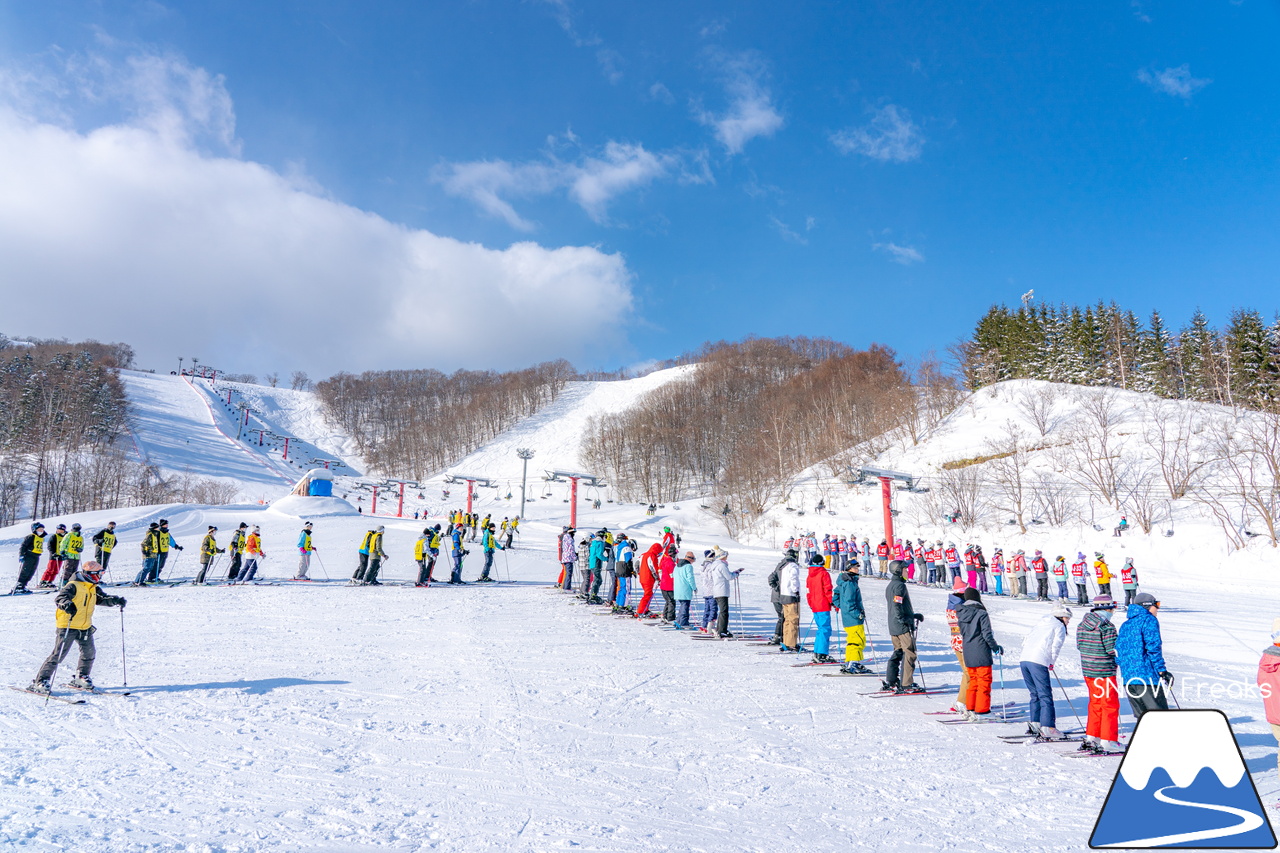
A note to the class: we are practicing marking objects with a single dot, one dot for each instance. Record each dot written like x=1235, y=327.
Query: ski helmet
x=62, y=527
x=75, y=527
x=37, y=526
x=791, y=553
x=816, y=560
x=92, y=570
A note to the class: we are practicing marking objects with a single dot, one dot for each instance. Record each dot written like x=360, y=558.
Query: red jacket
x=649, y=565
x=667, y=573
x=819, y=586
x=1269, y=683
x=882, y=551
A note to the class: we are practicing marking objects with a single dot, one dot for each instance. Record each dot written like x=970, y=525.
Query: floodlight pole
x=525, y=454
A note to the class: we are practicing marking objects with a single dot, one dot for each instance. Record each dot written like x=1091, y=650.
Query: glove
x=1051, y=667
x=999, y=650
x=919, y=617
x=123, y=602
x=179, y=547
x=69, y=608
x=1166, y=677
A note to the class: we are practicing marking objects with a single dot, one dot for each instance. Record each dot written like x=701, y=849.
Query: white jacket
x=721, y=577
x=704, y=577
x=789, y=580
x=1044, y=642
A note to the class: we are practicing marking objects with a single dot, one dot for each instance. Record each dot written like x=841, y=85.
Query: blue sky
x=676, y=172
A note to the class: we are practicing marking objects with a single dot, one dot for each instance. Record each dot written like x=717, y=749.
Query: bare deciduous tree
x=299, y=381
x=1008, y=473
x=1091, y=457
x=1170, y=433
x=1038, y=405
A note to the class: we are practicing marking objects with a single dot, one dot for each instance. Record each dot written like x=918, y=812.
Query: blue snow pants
x=1036, y=677
x=822, y=641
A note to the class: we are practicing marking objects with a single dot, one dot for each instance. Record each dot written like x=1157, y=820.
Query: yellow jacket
x=85, y=595
x=1104, y=573
x=72, y=545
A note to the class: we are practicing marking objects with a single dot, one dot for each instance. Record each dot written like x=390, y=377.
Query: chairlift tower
x=887, y=478
x=471, y=482
x=525, y=455
x=573, y=478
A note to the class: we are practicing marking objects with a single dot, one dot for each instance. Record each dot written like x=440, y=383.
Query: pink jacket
x=1269, y=683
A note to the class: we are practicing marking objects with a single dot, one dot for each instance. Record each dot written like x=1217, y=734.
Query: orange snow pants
x=978, y=698
x=1104, y=708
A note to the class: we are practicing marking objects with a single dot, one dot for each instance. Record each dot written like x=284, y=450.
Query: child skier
x=253, y=555
x=978, y=644
x=818, y=589
x=208, y=550
x=686, y=586
x=1103, y=573
x=305, y=550
x=1039, y=652
x=789, y=595
x=1129, y=580
x=1078, y=577
x=1041, y=567
x=853, y=616
x=74, y=620
x=997, y=570
x=1059, y=571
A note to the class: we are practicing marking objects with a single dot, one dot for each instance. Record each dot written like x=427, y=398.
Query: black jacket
x=902, y=617
x=775, y=582
x=26, y=551
x=975, y=630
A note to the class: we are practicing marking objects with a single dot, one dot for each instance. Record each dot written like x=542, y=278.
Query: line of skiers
x=473, y=525
x=610, y=566
x=938, y=565
x=64, y=550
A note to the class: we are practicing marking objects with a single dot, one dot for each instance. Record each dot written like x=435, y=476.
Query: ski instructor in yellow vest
x=74, y=618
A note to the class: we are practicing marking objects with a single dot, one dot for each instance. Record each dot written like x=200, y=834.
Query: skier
x=29, y=552
x=150, y=549
x=952, y=557
x=104, y=541
x=74, y=619
x=457, y=552
x=421, y=552
x=1039, y=652
x=208, y=549
x=775, y=596
x=882, y=557
x=1103, y=573
x=166, y=543
x=433, y=551
x=853, y=616
x=1059, y=571
x=648, y=568
x=362, y=559
x=980, y=563
x=954, y=601
x=902, y=629
x=595, y=565
x=978, y=644
x=489, y=544
x=1077, y=575
x=866, y=557
x=1018, y=573
x=667, y=582
x=997, y=570
x=53, y=545
x=970, y=567
x=937, y=568
x=72, y=551
x=1140, y=653
x=722, y=578
x=568, y=558
x=1129, y=580
x=789, y=595
x=236, y=547
x=1041, y=567
x=818, y=594
x=686, y=586
x=668, y=538
x=1269, y=682
x=305, y=550
x=253, y=556
x=922, y=570
x=1096, y=641
x=610, y=571
x=909, y=557
x=624, y=560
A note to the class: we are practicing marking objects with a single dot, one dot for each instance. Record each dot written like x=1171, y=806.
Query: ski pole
x=737, y=597
x=871, y=648
x=321, y=562
x=124, y=669
x=919, y=660
x=57, y=662
x=1004, y=707
x=506, y=561
x=1068, y=698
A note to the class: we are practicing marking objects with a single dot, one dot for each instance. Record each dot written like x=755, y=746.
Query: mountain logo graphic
x=1183, y=783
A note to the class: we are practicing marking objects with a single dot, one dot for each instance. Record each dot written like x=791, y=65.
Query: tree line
x=418, y=422
x=1105, y=345
x=748, y=419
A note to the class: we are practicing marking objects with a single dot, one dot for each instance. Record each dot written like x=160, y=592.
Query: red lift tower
x=471, y=482
x=573, y=479
x=886, y=479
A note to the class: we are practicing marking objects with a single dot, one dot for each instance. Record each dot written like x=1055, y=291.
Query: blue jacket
x=596, y=555
x=685, y=584
x=1139, y=650
x=848, y=599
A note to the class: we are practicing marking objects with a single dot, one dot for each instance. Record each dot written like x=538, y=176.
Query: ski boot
x=45, y=585
x=20, y=590
x=41, y=687
x=822, y=659
x=81, y=682
x=725, y=636
x=889, y=687
x=856, y=668
x=775, y=641
x=595, y=599
x=910, y=688
x=1087, y=745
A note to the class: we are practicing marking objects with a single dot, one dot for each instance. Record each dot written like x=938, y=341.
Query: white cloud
x=592, y=181
x=891, y=137
x=1174, y=81
x=751, y=112
x=128, y=231
x=787, y=232
x=659, y=92
x=905, y=255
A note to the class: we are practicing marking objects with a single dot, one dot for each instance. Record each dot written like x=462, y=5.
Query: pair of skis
x=68, y=700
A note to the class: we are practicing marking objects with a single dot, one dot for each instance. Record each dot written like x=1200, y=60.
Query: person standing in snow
x=457, y=551
x=489, y=544
x=1078, y=569
x=624, y=556
x=818, y=594
x=1269, y=683
x=236, y=547
x=1041, y=567
x=882, y=557
x=866, y=557
x=648, y=577
x=978, y=644
x=167, y=544
x=150, y=548
x=104, y=542
x=722, y=579
x=980, y=564
x=667, y=582
x=568, y=557
x=1103, y=573
x=997, y=570
x=1140, y=653
x=72, y=550
x=937, y=569
x=305, y=550
x=29, y=551
x=74, y=620
x=253, y=555
x=952, y=556
x=376, y=557
x=902, y=630
x=1096, y=641
x=775, y=596
x=686, y=586
x=954, y=601
x=847, y=599
x=1059, y=571
x=362, y=558
x=595, y=565
x=1129, y=580
x=789, y=594
x=1039, y=652
x=208, y=550
x=421, y=551
x=53, y=567
x=1018, y=574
